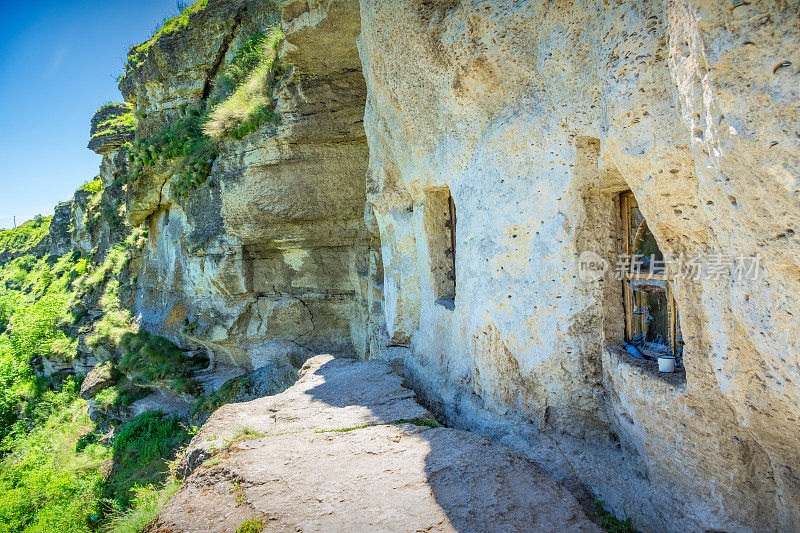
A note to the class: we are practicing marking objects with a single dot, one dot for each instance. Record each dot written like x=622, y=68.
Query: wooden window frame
x=627, y=202
x=451, y=252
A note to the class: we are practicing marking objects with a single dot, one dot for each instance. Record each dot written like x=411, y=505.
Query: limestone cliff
x=270, y=256
x=420, y=187
x=535, y=116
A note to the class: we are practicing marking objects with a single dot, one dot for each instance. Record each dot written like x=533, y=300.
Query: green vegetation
x=117, y=124
x=146, y=504
x=182, y=139
x=241, y=101
x=611, y=523
x=149, y=358
x=51, y=475
x=245, y=434
x=137, y=53
x=30, y=330
x=140, y=453
x=251, y=525
x=343, y=430
x=231, y=389
x=57, y=473
x=120, y=395
x=95, y=186
x=46, y=482
x=243, y=98
x=25, y=237
x=424, y=422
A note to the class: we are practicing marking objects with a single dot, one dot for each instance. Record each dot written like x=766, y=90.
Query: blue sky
x=58, y=64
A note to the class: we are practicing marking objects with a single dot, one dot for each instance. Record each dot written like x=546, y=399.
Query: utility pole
x=15, y=221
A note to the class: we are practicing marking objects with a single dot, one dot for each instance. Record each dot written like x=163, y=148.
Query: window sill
x=649, y=369
x=447, y=303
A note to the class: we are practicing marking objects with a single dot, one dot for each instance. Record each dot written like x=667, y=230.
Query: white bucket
x=666, y=363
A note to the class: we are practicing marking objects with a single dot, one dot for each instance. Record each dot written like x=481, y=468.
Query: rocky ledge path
x=348, y=448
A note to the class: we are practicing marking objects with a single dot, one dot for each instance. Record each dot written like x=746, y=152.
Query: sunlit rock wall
x=270, y=259
x=535, y=116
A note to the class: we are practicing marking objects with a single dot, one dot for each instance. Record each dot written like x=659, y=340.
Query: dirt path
x=338, y=453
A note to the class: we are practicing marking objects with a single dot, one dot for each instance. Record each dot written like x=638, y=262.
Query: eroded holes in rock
x=440, y=221
x=782, y=64
x=652, y=327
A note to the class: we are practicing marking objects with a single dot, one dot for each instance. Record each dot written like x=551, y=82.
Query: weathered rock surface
x=107, y=133
x=99, y=378
x=317, y=469
x=535, y=116
x=60, y=240
x=273, y=257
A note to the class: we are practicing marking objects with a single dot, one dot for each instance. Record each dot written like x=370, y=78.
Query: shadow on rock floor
x=334, y=453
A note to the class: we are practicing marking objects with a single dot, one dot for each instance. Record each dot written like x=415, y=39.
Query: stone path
x=338, y=454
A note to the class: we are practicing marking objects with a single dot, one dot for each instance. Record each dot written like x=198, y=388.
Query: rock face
x=98, y=379
x=110, y=129
x=336, y=456
x=60, y=241
x=425, y=198
x=271, y=258
x=534, y=116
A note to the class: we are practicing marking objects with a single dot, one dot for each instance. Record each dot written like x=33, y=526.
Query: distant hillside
x=28, y=238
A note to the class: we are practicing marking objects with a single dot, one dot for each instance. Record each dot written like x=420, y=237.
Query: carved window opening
x=451, y=252
x=652, y=327
x=441, y=222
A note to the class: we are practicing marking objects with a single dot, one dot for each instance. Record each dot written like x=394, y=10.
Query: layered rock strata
x=270, y=258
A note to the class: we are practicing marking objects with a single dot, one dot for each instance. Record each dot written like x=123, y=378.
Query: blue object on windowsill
x=631, y=349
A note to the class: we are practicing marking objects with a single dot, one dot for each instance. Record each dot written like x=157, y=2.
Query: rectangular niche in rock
x=651, y=318
x=440, y=228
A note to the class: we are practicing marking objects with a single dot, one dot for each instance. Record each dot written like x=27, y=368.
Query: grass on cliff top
x=25, y=237
x=183, y=138
x=94, y=186
x=125, y=123
x=137, y=54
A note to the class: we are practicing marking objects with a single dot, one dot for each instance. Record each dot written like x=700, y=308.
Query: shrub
x=150, y=358
x=63, y=349
x=25, y=237
x=33, y=328
x=93, y=187
x=141, y=451
x=47, y=484
x=146, y=505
